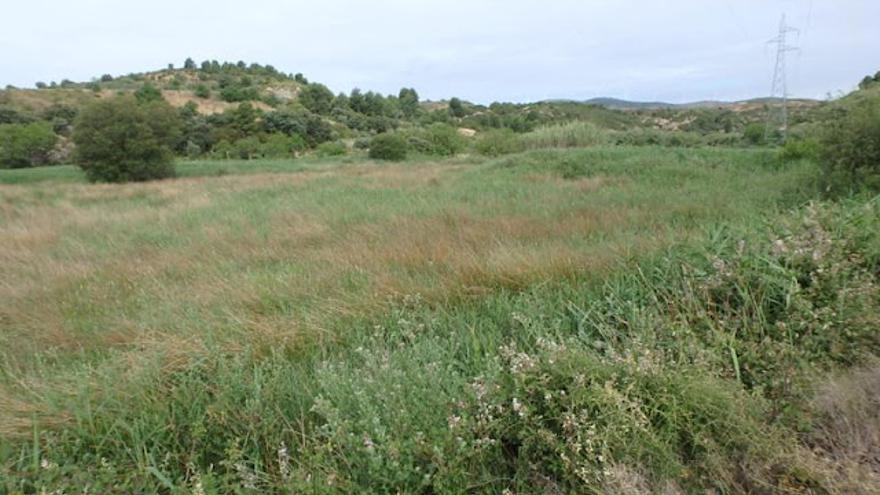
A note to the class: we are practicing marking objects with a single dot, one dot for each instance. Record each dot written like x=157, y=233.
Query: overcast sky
x=505, y=50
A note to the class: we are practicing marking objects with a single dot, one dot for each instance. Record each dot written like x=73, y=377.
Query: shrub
x=850, y=149
x=799, y=149
x=121, y=140
x=445, y=140
x=388, y=147
x=202, y=91
x=25, y=145
x=333, y=148
x=754, y=133
x=282, y=146
x=147, y=93
x=499, y=142
x=248, y=148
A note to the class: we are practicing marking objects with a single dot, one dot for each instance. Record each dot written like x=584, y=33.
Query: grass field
x=588, y=320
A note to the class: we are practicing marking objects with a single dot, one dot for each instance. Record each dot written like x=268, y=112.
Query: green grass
x=559, y=320
x=185, y=168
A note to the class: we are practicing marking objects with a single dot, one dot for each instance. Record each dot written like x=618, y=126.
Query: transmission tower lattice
x=777, y=117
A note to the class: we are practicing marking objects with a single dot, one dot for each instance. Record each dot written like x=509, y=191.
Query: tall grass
x=575, y=134
x=555, y=321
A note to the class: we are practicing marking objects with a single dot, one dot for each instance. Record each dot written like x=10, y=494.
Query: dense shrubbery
x=25, y=145
x=850, y=154
x=388, y=146
x=122, y=139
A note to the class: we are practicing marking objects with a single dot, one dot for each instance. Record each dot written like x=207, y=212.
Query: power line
x=777, y=117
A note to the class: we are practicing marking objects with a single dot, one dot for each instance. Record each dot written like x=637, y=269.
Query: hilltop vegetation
x=253, y=111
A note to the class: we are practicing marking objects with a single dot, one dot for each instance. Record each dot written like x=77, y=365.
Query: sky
x=482, y=51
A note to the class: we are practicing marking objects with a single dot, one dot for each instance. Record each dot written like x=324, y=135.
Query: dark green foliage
x=122, y=139
x=408, y=101
x=61, y=117
x=106, y=78
x=244, y=119
x=41, y=85
x=754, y=133
x=240, y=89
x=147, y=93
x=456, y=108
x=189, y=64
x=314, y=129
x=25, y=145
x=850, y=155
x=10, y=116
x=388, y=146
x=317, y=98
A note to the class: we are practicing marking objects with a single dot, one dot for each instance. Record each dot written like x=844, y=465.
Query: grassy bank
x=593, y=320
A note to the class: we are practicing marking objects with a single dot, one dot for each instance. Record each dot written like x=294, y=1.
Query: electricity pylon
x=777, y=117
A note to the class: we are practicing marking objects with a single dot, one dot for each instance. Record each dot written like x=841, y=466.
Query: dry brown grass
x=57, y=291
x=845, y=438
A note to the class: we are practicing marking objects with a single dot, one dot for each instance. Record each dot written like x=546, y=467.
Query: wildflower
x=284, y=461
x=453, y=421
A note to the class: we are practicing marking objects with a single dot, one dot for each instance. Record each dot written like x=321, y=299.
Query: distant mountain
x=619, y=104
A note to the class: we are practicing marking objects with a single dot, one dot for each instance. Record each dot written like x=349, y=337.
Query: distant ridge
x=619, y=104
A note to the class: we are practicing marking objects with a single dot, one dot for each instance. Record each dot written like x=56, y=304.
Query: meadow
x=610, y=319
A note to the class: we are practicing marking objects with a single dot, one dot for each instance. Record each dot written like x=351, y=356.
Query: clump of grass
x=570, y=135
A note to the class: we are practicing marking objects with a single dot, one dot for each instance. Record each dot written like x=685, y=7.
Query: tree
x=25, y=145
x=123, y=139
x=317, y=98
x=106, y=78
x=41, y=85
x=189, y=64
x=409, y=101
x=244, y=119
x=456, y=108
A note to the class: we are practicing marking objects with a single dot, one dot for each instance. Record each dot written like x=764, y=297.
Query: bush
x=388, y=147
x=754, y=133
x=850, y=149
x=445, y=140
x=202, y=91
x=799, y=149
x=25, y=145
x=334, y=148
x=499, y=142
x=282, y=146
x=147, y=93
x=119, y=140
